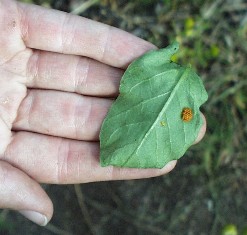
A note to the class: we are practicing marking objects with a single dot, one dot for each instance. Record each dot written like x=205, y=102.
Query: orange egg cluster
x=187, y=114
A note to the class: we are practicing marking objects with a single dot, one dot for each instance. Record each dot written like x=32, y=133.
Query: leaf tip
x=175, y=46
x=172, y=49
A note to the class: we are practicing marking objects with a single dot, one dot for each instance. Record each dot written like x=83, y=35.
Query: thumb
x=19, y=192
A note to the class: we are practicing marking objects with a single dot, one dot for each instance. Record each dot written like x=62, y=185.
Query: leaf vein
x=148, y=79
x=173, y=93
x=141, y=103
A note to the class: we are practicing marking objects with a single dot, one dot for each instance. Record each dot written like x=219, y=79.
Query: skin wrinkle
x=47, y=74
x=3, y=174
x=21, y=100
x=23, y=23
x=76, y=78
x=76, y=117
x=116, y=172
x=78, y=164
x=64, y=42
x=76, y=120
x=121, y=172
x=93, y=164
x=106, y=43
x=75, y=161
x=11, y=66
x=30, y=108
x=10, y=58
x=81, y=83
x=7, y=124
x=89, y=114
x=32, y=68
x=93, y=169
x=110, y=173
x=11, y=116
x=62, y=166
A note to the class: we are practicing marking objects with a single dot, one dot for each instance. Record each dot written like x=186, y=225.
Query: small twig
x=84, y=6
x=84, y=209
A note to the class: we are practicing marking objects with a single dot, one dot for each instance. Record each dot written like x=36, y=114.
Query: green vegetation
x=156, y=116
x=206, y=193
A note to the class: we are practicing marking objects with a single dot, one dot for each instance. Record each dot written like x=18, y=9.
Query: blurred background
x=207, y=191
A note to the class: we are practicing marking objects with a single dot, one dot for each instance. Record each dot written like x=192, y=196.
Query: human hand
x=59, y=74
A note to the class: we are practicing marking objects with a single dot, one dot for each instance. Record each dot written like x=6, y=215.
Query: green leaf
x=144, y=127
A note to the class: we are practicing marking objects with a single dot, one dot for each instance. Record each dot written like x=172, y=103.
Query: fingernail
x=34, y=216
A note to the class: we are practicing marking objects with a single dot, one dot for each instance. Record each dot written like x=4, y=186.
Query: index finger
x=56, y=31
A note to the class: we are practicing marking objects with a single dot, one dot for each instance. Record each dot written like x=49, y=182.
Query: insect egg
x=187, y=114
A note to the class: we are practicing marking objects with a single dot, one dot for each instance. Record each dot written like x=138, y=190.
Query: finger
x=51, y=30
x=85, y=76
x=19, y=192
x=202, y=131
x=62, y=114
x=64, y=161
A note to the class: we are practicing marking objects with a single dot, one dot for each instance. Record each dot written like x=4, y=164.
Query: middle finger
x=62, y=114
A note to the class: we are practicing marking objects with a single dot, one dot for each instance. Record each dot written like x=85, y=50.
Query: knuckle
x=81, y=75
x=62, y=166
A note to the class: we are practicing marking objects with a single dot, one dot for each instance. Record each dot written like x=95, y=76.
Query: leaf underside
x=145, y=127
